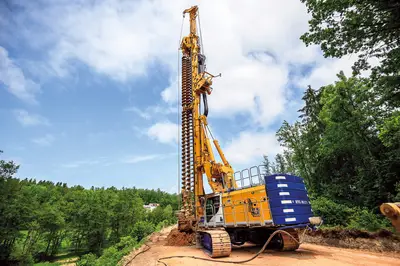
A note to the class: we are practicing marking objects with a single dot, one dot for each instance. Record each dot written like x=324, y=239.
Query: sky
x=89, y=89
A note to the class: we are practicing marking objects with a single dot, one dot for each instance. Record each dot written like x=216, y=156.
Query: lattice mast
x=190, y=49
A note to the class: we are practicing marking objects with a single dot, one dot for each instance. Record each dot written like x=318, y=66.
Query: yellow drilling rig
x=392, y=211
x=244, y=206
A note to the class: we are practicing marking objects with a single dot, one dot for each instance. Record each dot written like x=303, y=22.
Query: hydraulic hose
x=137, y=254
x=205, y=102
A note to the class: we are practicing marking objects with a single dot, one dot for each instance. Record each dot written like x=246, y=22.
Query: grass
x=47, y=264
x=60, y=259
x=66, y=258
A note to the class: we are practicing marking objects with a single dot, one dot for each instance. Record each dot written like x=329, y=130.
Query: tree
x=369, y=28
x=266, y=165
x=280, y=164
x=11, y=211
x=299, y=146
x=338, y=148
x=37, y=216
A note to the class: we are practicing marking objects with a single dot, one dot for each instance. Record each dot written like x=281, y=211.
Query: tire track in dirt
x=307, y=254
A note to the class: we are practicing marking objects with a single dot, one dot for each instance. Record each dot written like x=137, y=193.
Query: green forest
x=345, y=144
x=40, y=220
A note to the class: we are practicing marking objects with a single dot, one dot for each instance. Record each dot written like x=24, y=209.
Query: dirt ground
x=307, y=254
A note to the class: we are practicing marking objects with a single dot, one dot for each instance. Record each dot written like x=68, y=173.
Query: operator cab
x=214, y=215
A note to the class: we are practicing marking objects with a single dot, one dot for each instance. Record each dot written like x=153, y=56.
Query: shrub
x=335, y=214
x=161, y=225
x=126, y=242
x=23, y=258
x=45, y=264
x=366, y=220
x=110, y=257
x=87, y=260
x=332, y=213
x=142, y=229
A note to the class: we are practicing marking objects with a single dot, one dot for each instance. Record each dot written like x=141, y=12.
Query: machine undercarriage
x=218, y=242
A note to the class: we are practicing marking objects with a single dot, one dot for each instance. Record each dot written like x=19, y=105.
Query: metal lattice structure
x=187, y=137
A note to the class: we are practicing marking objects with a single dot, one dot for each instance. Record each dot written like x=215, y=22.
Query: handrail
x=253, y=176
x=247, y=177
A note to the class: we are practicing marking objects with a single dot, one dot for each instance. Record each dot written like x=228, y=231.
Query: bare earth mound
x=177, y=238
x=382, y=241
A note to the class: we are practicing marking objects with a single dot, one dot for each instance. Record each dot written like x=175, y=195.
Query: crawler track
x=289, y=244
x=216, y=243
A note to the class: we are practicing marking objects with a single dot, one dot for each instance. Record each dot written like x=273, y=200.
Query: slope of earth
x=307, y=254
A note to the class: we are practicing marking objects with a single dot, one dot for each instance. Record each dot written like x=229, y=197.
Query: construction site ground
x=307, y=254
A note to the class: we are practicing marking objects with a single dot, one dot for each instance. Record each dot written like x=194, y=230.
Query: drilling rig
x=244, y=206
x=392, y=211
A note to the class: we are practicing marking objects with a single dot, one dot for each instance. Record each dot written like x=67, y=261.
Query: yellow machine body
x=392, y=211
x=246, y=207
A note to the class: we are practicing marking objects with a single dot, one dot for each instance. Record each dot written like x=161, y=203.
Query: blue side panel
x=284, y=202
x=288, y=199
x=283, y=178
x=287, y=194
x=288, y=210
x=283, y=185
x=291, y=219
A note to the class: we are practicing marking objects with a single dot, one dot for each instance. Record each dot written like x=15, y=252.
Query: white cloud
x=171, y=93
x=173, y=190
x=121, y=38
x=249, y=147
x=27, y=119
x=141, y=158
x=116, y=38
x=77, y=164
x=17, y=160
x=152, y=111
x=325, y=72
x=46, y=140
x=127, y=159
x=164, y=132
x=15, y=81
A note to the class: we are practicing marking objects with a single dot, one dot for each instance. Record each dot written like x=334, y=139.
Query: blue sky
x=88, y=90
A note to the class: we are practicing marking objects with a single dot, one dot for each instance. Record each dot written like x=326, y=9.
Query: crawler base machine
x=244, y=206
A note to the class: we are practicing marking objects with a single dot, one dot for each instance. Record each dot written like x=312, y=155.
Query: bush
x=126, y=242
x=142, y=229
x=23, y=258
x=87, y=260
x=366, y=220
x=168, y=214
x=335, y=214
x=332, y=213
x=161, y=225
x=110, y=257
